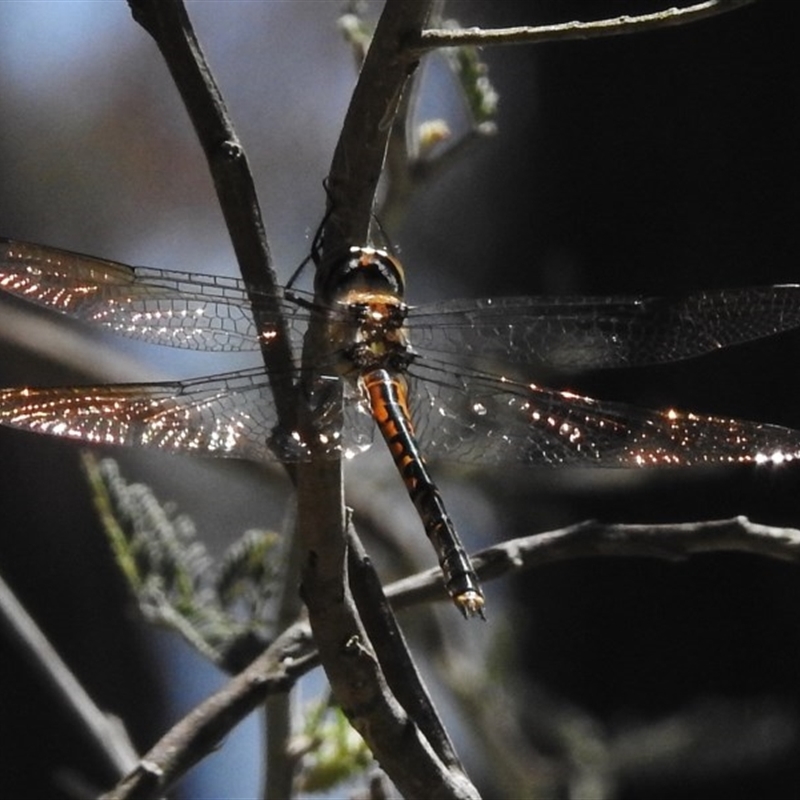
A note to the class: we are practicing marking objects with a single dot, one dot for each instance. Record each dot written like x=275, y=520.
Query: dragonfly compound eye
x=366, y=269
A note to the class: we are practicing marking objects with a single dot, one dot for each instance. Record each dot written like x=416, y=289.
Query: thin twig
x=106, y=733
x=361, y=149
x=673, y=542
x=567, y=31
x=289, y=657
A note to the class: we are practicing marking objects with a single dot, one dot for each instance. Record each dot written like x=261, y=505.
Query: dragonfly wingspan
x=458, y=404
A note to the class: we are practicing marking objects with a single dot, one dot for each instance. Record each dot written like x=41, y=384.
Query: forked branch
x=345, y=650
x=352, y=662
x=344, y=646
x=289, y=657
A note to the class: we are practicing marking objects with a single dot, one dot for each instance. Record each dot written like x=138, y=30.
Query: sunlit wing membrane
x=230, y=415
x=601, y=332
x=165, y=307
x=224, y=416
x=476, y=418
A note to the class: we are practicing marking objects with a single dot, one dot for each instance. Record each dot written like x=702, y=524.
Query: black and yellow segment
x=388, y=400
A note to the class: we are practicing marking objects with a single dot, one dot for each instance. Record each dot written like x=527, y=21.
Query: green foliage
x=331, y=750
x=472, y=74
x=219, y=608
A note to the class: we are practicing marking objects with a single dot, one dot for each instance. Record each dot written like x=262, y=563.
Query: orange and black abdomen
x=388, y=401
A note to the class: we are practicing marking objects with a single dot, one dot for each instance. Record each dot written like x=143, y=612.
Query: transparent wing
x=229, y=415
x=471, y=417
x=214, y=313
x=165, y=307
x=600, y=332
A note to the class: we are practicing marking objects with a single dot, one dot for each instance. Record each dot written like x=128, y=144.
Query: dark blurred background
x=647, y=164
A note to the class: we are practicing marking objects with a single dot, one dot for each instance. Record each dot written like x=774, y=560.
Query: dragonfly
x=438, y=381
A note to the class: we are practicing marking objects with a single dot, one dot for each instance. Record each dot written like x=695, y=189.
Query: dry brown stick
x=568, y=31
x=107, y=735
x=673, y=542
x=355, y=675
x=291, y=655
x=168, y=23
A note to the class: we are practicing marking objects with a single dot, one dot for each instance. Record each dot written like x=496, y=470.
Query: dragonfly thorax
x=370, y=333
x=367, y=324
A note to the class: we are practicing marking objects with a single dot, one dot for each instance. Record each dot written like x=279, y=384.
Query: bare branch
x=199, y=733
x=361, y=149
x=289, y=657
x=352, y=667
x=351, y=663
x=167, y=22
x=346, y=652
x=358, y=682
x=567, y=31
x=592, y=539
x=393, y=653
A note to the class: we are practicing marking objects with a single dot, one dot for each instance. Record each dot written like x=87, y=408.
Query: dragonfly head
x=364, y=270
